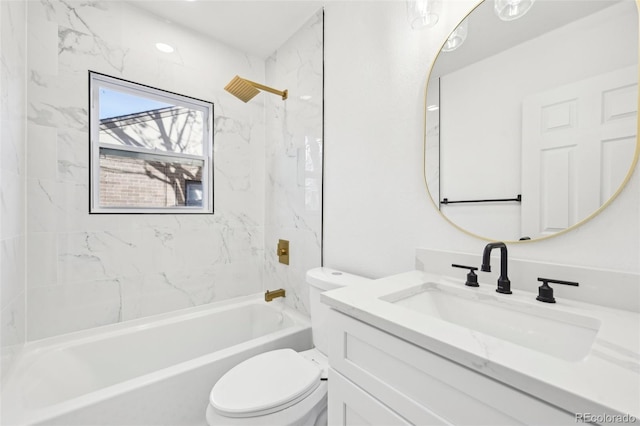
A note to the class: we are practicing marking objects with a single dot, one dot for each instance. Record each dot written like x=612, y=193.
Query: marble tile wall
x=89, y=270
x=294, y=145
x=12, y=179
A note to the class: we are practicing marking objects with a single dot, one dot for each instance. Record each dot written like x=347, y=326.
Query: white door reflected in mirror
x=572, y=166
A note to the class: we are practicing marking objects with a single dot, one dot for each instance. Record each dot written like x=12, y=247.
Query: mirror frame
x=623, y=184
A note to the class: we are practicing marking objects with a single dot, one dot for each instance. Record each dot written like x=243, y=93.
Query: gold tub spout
x=270, y=295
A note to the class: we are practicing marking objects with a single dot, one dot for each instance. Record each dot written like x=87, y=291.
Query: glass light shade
x=457, y=37
x=508, y=10
x=423, y=13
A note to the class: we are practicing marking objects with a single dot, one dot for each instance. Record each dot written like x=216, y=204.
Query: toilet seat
x=268, y=382
x=304, y=413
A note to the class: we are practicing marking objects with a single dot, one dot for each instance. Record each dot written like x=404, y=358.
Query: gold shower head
x=245, y=90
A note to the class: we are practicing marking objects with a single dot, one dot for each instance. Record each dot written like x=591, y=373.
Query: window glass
x=151, y=150
x=114, y=103
x=194, y=193
x=152, y=125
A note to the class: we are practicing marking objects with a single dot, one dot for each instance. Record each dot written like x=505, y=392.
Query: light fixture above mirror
x=508, y=10
x=423, y=13
x=457, y=37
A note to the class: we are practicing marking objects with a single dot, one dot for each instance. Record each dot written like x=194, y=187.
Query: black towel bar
x=495, y=200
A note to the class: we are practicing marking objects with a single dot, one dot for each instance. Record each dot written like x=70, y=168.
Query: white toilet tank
x=320, y=280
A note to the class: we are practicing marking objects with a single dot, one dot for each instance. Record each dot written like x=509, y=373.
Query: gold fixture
x=245, y=90
x=283, y=251
x=270, y=295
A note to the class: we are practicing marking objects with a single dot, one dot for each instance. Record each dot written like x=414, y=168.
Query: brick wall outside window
x=134, y=182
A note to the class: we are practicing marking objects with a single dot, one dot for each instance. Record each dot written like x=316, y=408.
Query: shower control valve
x=283, y=251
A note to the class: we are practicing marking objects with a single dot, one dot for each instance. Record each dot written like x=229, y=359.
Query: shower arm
x=284, y=93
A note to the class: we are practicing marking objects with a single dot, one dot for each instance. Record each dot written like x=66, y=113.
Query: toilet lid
x=266, y=383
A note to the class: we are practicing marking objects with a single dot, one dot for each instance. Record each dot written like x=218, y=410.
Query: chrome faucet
x=504, y=285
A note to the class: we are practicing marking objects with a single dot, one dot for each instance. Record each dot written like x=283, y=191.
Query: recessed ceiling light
x=163, y=47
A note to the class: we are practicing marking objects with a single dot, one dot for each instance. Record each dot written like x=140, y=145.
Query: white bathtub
x=153, y=371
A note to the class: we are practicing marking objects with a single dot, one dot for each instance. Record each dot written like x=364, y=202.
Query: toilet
x=282, y=387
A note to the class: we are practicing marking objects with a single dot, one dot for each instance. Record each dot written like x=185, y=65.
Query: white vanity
x=422, y=348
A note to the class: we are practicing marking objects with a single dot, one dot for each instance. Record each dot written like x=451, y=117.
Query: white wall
x=12, y=179
x=89, y=270
x=376, y=208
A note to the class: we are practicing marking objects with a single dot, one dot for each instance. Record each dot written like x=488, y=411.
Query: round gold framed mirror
x=531, y=124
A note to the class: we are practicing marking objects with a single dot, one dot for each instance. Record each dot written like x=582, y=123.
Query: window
x=151, y=150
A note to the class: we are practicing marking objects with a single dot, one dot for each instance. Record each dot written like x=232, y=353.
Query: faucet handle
x=545, y=292
x=472, y=278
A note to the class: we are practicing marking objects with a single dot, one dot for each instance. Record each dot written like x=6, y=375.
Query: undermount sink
x=546, y=329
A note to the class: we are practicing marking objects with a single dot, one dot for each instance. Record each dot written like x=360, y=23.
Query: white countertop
x=606, y=381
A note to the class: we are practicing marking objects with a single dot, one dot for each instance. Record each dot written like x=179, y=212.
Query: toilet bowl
x=282, y=387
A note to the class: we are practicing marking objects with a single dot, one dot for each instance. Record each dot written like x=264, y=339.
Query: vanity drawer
x=423, y=386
